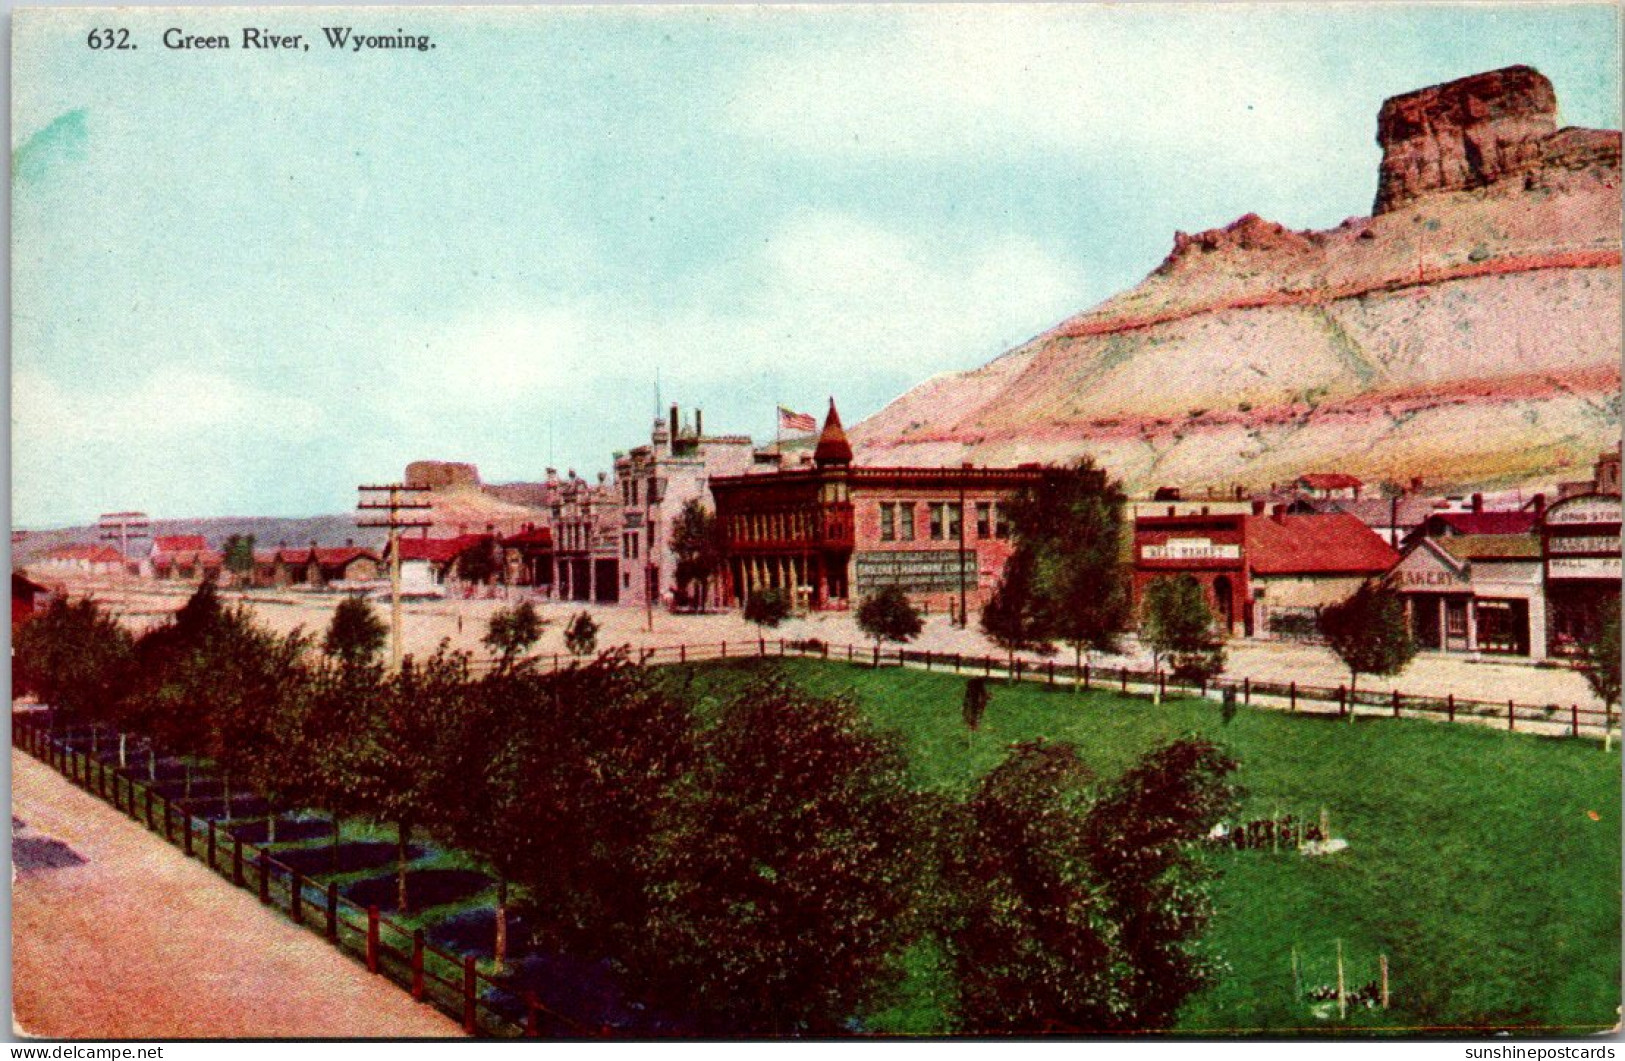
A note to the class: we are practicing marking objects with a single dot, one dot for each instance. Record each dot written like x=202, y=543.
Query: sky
x=245, y=281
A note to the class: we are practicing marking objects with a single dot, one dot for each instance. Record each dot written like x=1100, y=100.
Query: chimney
x=1416, y=484
x=1258, y=508
x=1540, y=503
x=349, y=543
x=490, y=530
x=699, y=423
x=673, y=420
x=1478, y=502
x=1278, y=514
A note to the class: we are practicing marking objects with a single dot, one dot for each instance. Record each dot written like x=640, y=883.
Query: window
x=939, y=513
x=907, y=508
x=956, y=521
x=984, y=519
x=634, y=492
x=888, y=521
x=1001, y=526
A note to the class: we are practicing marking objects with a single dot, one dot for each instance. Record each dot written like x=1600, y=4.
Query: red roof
x=439, y=550
x=1330, y=481
x=189, y=557
x=535, y=536
x=832, y=448
x=342, y=554
x=1487, y=522
x=96, y=554
x=1337, y=543
x=178, y=543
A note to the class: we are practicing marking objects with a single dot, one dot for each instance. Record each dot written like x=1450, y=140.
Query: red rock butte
x=1467, y=332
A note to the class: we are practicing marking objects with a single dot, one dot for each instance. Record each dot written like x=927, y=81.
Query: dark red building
x=832, y=533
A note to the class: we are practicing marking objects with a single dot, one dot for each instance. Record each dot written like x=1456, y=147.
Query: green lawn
x=1474, y=862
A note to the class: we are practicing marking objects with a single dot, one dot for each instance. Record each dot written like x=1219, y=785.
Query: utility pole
x=121, y=527
x=963, y=619
x=398, y=500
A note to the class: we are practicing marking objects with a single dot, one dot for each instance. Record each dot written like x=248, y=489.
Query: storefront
x=1476, y=593
x=1581, y=551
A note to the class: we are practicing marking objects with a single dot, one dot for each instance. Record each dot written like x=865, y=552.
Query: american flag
x=791, y=422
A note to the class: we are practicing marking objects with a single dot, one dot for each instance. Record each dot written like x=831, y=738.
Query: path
x=137, y=941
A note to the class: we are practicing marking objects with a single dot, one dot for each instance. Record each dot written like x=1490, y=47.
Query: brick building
x=1264, y=575
x=587, y=521
x=829, y=533
x=1580, y=551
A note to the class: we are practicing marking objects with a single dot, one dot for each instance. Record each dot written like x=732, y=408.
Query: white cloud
x=961, y=83
x=837, y=296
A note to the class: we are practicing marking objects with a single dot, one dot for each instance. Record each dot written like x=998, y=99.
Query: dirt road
x=463, y=623
x=115, y=934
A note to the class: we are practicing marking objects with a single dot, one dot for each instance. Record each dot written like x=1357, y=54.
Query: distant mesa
x=1476, y=132
x=439, y=475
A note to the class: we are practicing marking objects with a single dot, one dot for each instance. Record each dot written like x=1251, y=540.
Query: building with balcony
x=828, y=533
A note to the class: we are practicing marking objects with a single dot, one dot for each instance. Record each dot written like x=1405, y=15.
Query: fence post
x=169, y=820
x=211, y=843
x=724, y=653
x=682, y=653
x=1342, y=701
x=152, y=823
x=1052, y=672
x=1450, y=706
x=296, y=898
x=372, y=939
x=417, y=965
x=957, y=662
x=129, y=801
x=333, y=912
x=186, y=831
x=1086, y=676
x=469, y=995
x=927, y=659
x=1396, y=703
x=237, y=860
x=264, y=861
x=781, y=646
x=1162, y=685
x=533, y=1016
x=1574, y=716
x=1510, y=725
x=1292, y=696
x=1247, y=692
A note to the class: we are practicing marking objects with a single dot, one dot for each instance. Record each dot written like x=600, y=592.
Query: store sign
x=1583, y=567
x=1433, y=578
x=1585, y=543
x=916, y=571
x=1190, y=549
x=1586, y=510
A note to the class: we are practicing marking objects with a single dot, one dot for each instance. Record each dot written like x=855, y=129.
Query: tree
x=1027, y=931
x=343, y=699
x=698, y=544
x=767, y=608
x=1144, y=837
x=888, y=615
x=581, y=635
x=977, y=698
x=788, y=874
x=1179, y=628
x=1079, y=907
x=585, y=771
x=1069, y=525
x=1369, y=633
x=478, y=564
x=398, y=770
x=238, y=557
x=1015, y=618
x=356, y=634
x=1602, y=663
x=512, y=631
x=77, y=658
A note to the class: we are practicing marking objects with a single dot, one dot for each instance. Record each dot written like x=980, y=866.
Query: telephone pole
x=121, y=527
x=400, y=503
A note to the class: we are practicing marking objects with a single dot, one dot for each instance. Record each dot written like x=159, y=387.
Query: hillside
x=1480, y=302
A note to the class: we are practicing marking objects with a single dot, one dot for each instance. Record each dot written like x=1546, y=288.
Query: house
x=527, y=557
x=1263, y=576
x=27, y=597
x=429, y=564
x=1580, y=550
x=1329, y=485
x=1477, y=520
x=98, y=560
x=588, y=523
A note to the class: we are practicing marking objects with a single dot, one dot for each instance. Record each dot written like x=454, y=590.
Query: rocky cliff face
x=1468, y=332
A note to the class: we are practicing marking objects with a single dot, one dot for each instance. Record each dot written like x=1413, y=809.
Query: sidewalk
x=116, y=934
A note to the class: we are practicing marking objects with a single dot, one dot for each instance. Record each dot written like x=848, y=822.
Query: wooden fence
x=451, y=982
x=1551, y=719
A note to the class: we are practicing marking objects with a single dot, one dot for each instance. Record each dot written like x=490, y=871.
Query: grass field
x=1485, y=865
